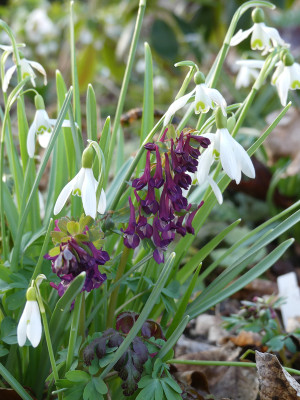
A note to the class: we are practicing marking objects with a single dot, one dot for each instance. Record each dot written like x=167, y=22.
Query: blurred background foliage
x=175, y=30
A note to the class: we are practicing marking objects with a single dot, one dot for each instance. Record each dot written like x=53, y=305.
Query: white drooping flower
x=285, y=77
x=26, y=70
x=233, y=157
x=248, y=72
x=30, y=325
x=41, y=126
x=84, y=185
x=205, y=99
x=263, y=37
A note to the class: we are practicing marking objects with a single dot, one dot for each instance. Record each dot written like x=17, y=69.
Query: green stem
x=121, y=101
x=73, y=331
x=38, y=266
x=48, y=338
x=225, y=364
x=114, y=295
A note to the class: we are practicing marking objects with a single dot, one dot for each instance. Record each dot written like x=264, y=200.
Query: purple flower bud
x=204, y=142
x=150, y=146
x=179, y=147
x=183, y=180
x=177, y=167
x=150, y=204
x=163, y=138
x=131, y=239
x=165, y=207
x=188, y=149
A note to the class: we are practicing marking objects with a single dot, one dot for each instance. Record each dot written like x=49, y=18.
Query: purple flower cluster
x=74, y=258
x=164, y=204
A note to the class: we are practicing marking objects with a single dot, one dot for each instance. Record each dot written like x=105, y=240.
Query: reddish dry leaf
x=246, y=338
x=275, y=383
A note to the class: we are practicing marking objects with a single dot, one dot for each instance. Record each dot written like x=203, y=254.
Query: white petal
x=177, y=105
x=274, y=36
x=283, y=84
x=278, y=71
x=215, y=189
x=31, y=139
x=244, y=160
x=88, y=193
x=7, y=78
x=251, y=63
x=203, y=102
x=39, y=68
x=34, y=328
x=242, y=78
x=204, y=163
x=294, y=76
x=260, y=39
x=240, y=36
x=22, y=325
x=228, y=160
x=102, y=203
x=63, y=196
x=217, y=98
x=66, y=123
x=44, y=139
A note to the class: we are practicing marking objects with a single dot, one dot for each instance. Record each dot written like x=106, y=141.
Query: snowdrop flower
x=41, y=126
x=248, y=72
x=26, y=70
x=30, y=325
x=84, y=185
x=286, y=76
x=262, y=38
x=205, y=99
x=223, y=146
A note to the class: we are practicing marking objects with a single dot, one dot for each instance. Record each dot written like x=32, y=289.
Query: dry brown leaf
x=275, y=383
x=245, y=338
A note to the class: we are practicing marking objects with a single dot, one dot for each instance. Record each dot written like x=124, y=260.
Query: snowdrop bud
x=288, y=59
x=231, y=123
x=258, y=15
x=30, y=294
x=39, y=102
x=199, y=78
x=221, y=120
x=88, y=157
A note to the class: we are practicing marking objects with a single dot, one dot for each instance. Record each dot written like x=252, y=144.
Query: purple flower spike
x=131, y=239
x=190, y=218
x=141, y=182
x=157, y=181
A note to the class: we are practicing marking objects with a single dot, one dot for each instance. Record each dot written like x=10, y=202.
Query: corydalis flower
x=72, y=258
x=205, y=99
x=262, y=36
x=248, y=72
x=26, y=70
x=286, y=76
x=41, y=126
x=84, y=185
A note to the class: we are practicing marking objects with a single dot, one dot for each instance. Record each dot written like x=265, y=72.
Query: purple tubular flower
x=176, y=224
x=141, y=182
x=173, y=190
x=188, y=149
x=165, y=207
x=204, y=142
x=190, y=218
x=157, y=180
x=163, y=138
x=150, y=204
x=179, y=148
x=177, y=167
x=131, y=239
x=161, y=245
x=143, y=229
x=183, y=180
